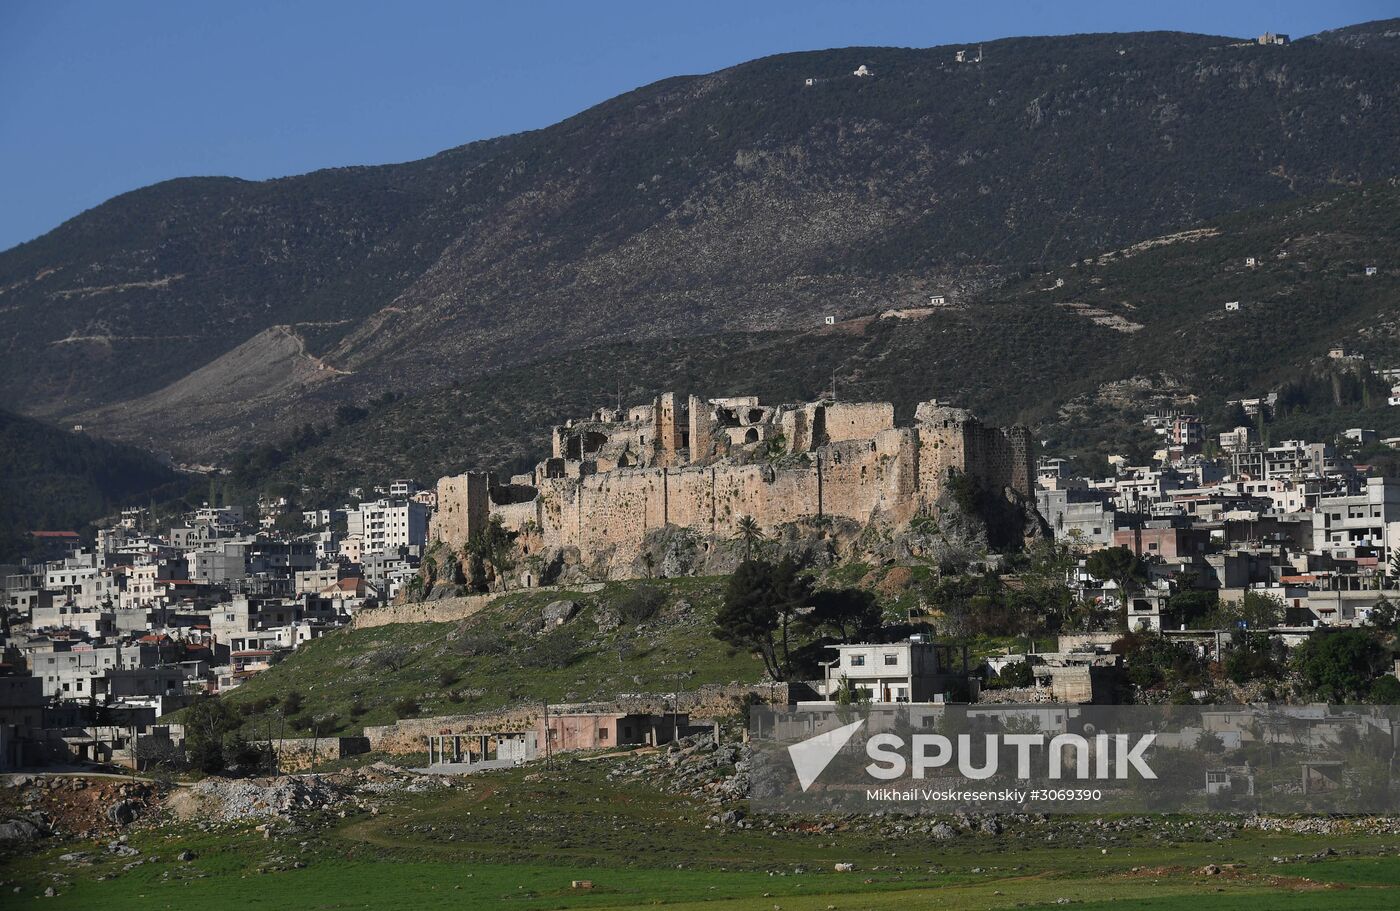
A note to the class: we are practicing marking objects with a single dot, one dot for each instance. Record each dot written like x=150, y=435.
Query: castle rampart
x=617, y=476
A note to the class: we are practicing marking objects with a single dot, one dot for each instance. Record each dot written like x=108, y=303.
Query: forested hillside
x=52, y=479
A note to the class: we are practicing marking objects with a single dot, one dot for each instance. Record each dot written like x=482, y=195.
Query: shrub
x=551, y=651
x=292, y=703
x=393, y=657
x=1341, y=666
x=1017, y=673
x=640, y=604
x=1385, y=691
x=406, y=708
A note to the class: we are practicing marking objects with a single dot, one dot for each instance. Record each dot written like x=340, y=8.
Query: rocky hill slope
x=1079, y=353
x=740, y=201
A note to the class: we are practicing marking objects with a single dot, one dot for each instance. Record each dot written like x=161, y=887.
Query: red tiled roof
x=54, y=534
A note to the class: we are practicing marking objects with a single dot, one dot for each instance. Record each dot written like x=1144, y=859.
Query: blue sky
x=101, y=97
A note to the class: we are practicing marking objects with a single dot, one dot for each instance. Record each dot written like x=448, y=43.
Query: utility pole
x=548, y=753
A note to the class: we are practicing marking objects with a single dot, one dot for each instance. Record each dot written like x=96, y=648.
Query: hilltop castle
x=620, y=474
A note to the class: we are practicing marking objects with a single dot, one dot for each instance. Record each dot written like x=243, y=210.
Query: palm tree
x=750, y=533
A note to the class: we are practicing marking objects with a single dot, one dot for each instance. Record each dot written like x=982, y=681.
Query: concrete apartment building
x=1081, y=516
x=1368, y=520
x=1290, y=459
x=388, y=524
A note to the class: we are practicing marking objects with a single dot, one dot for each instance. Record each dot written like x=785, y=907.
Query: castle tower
x=667, y=443
x=463, y=508
x=702, y=431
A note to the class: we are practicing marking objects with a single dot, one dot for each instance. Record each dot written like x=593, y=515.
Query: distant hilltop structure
x=620, y=474
x=1272, y=38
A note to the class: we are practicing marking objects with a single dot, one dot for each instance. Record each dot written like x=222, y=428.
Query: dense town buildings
x=138, y=622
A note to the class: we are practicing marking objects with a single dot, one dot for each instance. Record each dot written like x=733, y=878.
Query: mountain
x=56, y=480
x=1080, y=353
x=198, y=314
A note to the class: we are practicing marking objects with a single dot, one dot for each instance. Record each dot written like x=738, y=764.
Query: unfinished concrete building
x=620, y=474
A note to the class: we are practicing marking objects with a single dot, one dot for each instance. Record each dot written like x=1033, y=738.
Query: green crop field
x=522, y=837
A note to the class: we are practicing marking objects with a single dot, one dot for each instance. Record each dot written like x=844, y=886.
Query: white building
x=896, y=671
x=388, y=524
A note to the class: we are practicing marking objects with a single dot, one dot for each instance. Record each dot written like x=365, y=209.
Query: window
x=857, y=661
x=602, y=733
x=891, y=660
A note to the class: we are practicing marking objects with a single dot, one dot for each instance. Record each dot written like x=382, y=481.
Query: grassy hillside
x=58, y=480
x=738, y=201
x=499, y=658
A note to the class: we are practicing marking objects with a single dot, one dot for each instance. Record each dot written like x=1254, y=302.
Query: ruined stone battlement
x=620, y=474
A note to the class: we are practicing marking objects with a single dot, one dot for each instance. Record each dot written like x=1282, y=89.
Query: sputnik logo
x=811, y=757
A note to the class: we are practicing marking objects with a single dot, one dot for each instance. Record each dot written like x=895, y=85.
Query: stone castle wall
x=844, y=460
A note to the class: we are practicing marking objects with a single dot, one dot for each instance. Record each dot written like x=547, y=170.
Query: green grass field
x=521, y=837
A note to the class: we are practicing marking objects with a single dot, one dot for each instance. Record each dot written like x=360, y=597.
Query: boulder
x=19, y=830
x=557, y=613
x=123, y=812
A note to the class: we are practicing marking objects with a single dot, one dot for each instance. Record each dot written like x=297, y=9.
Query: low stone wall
x=1014, y=695
x=297, y=753
x=1086, y=642
x=709, y=701
x=443, y=611
x=446, y=610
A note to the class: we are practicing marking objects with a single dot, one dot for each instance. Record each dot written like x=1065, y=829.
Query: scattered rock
x=19, y=830
x=123, y=812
